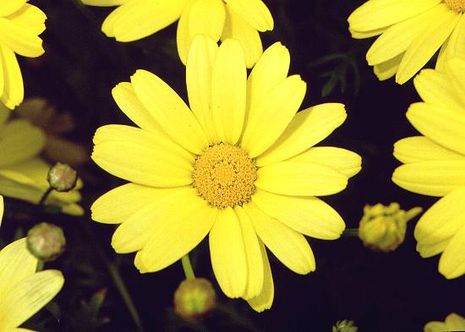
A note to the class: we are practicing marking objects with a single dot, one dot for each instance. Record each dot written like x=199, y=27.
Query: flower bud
x=383, y=227
x=46, y=241
x=194, y=298
x=344, y=326
x=62, y=177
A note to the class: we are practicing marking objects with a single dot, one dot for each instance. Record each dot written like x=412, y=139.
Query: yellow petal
x=20, y=39
x=452, y=261
x=289, y=246
x=388, y=69
x=183, y=36
x=207, y=17
x=427, y=43
x=68, y=152
x=269, y=117
x=142, y=157
x=308, y=215
x=29, y=296
x=454, y=46
x=9, y=7
x=428, y=250
x=176, y=231
x=31, y=18
x=229, y=91
x=104, y=3
x=300, y=179
x=228, y=254
x=420, y=148
x=435, y=326
x=13, y=89
x=306, y=129
x=366, y=34
x=254, y=12
x=443, y=126
x=433, y=178
x=454, y=68
x=455, y=322
x=2, y=209
x=169, y=110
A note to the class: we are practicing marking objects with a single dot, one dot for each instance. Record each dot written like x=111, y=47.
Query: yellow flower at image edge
x=23, y=291
x=20, y=27
x=435, y=164
x=410, y=34
x=239, y=165
x=219, y=19
x=453, y=322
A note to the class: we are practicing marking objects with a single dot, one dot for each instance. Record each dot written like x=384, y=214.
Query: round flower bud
x=194, y=298
x=344, y=326
x=383, y=228
x=62, y=177
x=46, y=241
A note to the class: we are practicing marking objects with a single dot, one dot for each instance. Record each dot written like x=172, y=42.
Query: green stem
x=44, y=196
x=350, y=232
x=187, y=267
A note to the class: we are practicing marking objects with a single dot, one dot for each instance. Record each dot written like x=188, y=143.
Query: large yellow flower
x=220, y=19
x=435, y=164
x=20, y=26
x=411, y=33
x=23, y=174
x=453, y=322
x=241, y=166
x=23, y=291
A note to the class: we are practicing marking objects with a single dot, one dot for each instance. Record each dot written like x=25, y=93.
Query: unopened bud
x=62, y=177
x=383, y=227
x=344, y=326
x=194, y=298
x=46, y=241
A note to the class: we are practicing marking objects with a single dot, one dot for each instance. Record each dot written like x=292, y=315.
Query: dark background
x=398, y=291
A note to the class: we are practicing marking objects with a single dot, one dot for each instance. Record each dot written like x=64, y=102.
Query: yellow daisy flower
x=220, y=19
x=23, y=290
x=239, y=165
x=411, y=31
x=23, y=175
x=20, y=27
x=435, y=164
x=453, y=322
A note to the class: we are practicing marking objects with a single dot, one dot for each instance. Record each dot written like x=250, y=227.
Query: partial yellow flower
x=239, y=164
x=453, y=322
x=435, y=164
x=23, y=174
x=20, y=27
x=23, y=290
x=411, y=31
x=219, y=19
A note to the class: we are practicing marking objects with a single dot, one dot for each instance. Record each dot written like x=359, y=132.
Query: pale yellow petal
x=307, y=215
x=300, y=179
x=169, y=110
x=20, y=39
x=9, y=7
x=13, y=89
x=455, y=322
x=420, y=148
x=289, y=246
x=228, y=91
x=435, y=326
x=269, y=117
x=388, y=69
x=254, y=12
x=31, y=18
x=454, y=46
x=228, y=254
x=452, y=261
x=142, y=157
x=306, y=129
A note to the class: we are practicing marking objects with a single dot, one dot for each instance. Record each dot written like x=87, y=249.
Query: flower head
x=239, y=165
x=453, y=322
x=410, y=34
x=20, y=27
x=435, y=164
x=219, y=19
x=23, y=290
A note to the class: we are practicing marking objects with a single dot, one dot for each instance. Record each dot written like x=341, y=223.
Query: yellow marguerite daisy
x=23, y=291
x=23, y=174
x=453, y=322
x=239, y=165
x=20, y=27
x=411, y=31
x=219, y=19
x=435, y=164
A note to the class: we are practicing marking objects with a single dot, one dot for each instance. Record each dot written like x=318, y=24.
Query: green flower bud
x=344, y=326
x=62, y=177
x=194, y=298
x=46, y=241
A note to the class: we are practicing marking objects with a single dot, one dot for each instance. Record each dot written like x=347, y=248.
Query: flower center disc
x=457, y=5
x=224, y=175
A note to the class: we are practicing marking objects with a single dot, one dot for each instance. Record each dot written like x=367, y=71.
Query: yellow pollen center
x=457, y=5
x=224, y=175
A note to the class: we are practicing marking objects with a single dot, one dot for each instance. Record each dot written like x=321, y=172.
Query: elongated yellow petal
x=428, y=250
x=255, y=264
x=254, y=12
x=420, y=148
x=270, y=117
x=228, y=91
x=454, y=45
x=306, y=129
x=104, y=3
x=433, y=178
x=175, y=232
x=141, y=157
x=31, y=18
x=388, y=69
x=455, y=322
x=13, y=89
x=300, y=179
x=183, y=36
x=170, y=111
x=289, y=246
x=452, y=261
x=454, y=68
x=207, y=17
x=308, y=215
x=9, y=7
x=29, y=296
x=20, y=39
x=435, y=327
x=228, y=253
x=366, y=34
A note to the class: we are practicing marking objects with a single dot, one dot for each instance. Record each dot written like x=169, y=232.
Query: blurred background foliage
x=398, y=291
